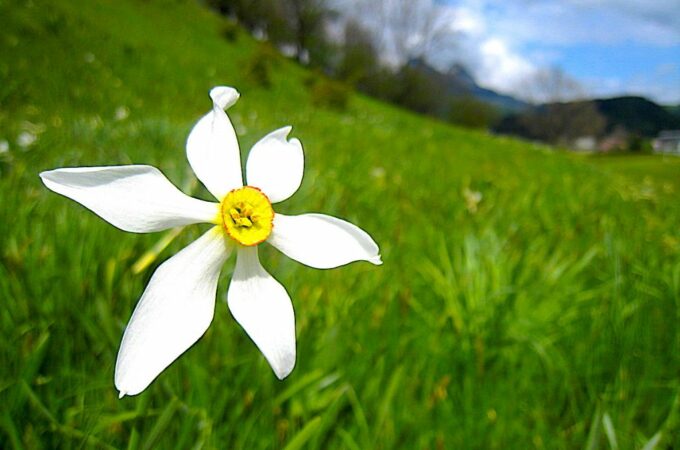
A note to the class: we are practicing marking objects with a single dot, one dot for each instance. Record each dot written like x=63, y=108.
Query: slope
x=527, y=297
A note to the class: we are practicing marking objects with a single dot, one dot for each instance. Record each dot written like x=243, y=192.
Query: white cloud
x=661, y=17
x=661, y=83
x=467, y=21
x=501, y=67
x=491, y=56
x=505, y=43
x=583, y=21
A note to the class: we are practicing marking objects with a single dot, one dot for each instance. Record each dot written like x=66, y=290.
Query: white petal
x=262, y=306
x=173, y=313
x=275, y=165
x=322, y=241
x=212, y=147
x=133, y=198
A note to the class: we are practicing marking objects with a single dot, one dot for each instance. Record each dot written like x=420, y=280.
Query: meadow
x=529, y=298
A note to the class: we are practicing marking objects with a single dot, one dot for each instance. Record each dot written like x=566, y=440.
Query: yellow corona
x=247, y=216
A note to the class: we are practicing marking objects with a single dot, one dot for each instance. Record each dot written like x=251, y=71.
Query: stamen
x=247, y=215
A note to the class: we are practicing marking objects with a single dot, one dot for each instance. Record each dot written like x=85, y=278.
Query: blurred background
x=516, y=162
x=592, y=76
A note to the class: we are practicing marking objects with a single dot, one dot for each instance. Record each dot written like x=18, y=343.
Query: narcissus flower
x=179, y=301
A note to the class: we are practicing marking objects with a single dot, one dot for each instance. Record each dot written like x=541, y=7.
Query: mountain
x=624, y=117
x=674, y=109
x=636, y=115
x=458, y=82
x=506, y=103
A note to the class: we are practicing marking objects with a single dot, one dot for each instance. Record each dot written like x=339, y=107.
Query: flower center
x=247, y=215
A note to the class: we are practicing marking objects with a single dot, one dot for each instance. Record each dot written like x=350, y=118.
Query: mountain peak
x=459, y=71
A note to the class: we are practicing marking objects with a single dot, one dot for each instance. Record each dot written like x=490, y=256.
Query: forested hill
x=637, y=114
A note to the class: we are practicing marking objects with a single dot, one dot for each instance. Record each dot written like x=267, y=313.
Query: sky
x=610, y=47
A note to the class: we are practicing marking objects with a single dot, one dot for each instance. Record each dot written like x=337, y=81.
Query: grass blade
x=304, y=435
x=164, y=420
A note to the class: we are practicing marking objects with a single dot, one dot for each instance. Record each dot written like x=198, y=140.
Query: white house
x=667, y=142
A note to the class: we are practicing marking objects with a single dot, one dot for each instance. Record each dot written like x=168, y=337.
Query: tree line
x=381, y=48
x=368, y=45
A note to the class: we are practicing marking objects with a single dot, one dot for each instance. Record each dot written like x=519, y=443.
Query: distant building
x=667, y=142
x=585, y=144
x=617, y=140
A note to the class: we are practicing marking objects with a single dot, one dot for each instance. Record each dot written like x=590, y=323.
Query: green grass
x=545, y=316
x=661, y=170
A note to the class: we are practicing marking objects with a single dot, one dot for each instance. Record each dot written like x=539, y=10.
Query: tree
x=552, y=85
x=562, y=117
x=404, y=29
x=253, y=14
x=306, y=21
x=359, y=59
x=472, y=113
x=297, y=23
x=419, y=92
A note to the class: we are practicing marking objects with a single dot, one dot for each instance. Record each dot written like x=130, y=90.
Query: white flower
x=179, y=301
x=26, y=139
x=472, y=199
x=378, y=172
x=122, y=113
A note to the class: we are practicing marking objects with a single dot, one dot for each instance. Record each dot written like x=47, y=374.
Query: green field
x=528, y=298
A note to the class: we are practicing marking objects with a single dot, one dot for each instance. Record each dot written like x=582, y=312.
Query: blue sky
x=611, y=47
x=629, y=68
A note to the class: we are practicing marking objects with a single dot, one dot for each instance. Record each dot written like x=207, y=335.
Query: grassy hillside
x=528, y=299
